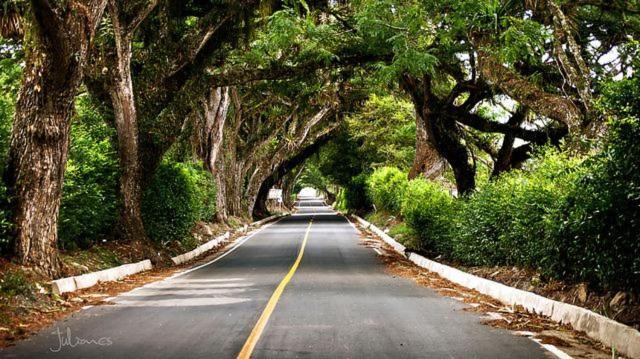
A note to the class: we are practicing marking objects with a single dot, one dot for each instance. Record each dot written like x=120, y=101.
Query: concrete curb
x=269, y=219
x=385, y=237
x=624, y=339
x=71, y=284
x=185, y=257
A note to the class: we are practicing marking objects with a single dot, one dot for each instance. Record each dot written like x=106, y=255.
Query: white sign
x=275, y=193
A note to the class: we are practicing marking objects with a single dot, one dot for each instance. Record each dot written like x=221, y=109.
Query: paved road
x=339, y=303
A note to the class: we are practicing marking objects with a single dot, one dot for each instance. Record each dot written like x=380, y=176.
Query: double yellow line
x=251, y=342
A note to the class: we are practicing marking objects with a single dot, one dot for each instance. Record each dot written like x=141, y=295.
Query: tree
x=57, y=45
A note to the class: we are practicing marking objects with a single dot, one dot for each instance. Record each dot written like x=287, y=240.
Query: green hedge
x=596, y=229
x=386, y=188
x=180, y=195
x=429, y=210
x=507, y=222
x=570, y=218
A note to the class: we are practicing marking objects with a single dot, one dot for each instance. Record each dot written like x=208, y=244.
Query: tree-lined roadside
x=512, y=125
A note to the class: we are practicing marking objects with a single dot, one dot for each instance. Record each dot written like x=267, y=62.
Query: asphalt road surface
x=266, y=299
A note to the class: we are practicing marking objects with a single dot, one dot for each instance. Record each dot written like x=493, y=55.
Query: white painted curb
x=185, y=257
x=385, y=237
x=72, y=284
x=624, y=339
x=268, y=219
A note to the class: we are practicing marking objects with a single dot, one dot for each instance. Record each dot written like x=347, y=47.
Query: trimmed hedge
x=386, y=188
x=507, y=222
x=180, y=195
x=570, y=218
x=429, y=210
x=595, y=233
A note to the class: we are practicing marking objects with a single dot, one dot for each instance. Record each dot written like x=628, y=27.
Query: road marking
x=251, y=342
x=377, y=251
x=236, y=244
x=553, y=349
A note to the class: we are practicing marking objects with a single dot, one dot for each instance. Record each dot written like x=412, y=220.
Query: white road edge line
x=351, y=223
x=377, y=251
x=239, y=242
x=553, y=349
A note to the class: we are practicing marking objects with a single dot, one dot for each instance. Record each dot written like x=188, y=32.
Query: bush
x=179, y=195
x=506, y=222
x=355, y=195
x=386, y=188
x=88, y=209
x=595, y=235
x=429, y=210
x=15, y=283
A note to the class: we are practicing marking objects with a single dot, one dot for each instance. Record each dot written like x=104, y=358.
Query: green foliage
x=386, y=188
x=406, y=29
x=571, y=218
x=10, y=73
x=595, y=237
x=385, y=130
x=15, y=283
x=179, y=195
x=290, y=38
x=506, y=222
x=428, y=210
x=88, y=208
x=5, y=223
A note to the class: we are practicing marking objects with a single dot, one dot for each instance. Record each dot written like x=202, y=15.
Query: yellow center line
x=251, y=342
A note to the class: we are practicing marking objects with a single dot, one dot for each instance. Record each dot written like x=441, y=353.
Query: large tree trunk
x=442, y=131
x=209, y=141
x=57, y=43
x=215, y=114
x=126, y=123
x=447, y=140
x=288, y=184
x=121, y=92
x=427, y=162
x=259, y=208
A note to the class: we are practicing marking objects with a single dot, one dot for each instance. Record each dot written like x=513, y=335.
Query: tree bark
x=528, y=94
x=504, y=160
x=57, y=47
x=209, y=138
x=215, y=113
x=442, y=130
x=427, y=162
x=288, y=184
x=118, y=83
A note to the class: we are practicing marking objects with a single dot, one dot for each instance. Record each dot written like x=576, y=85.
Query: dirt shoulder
x=27, y=304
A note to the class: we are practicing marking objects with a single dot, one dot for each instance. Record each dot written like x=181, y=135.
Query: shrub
x=386, y=188
x=88, y=207
x=506, y=222
x=5, y=221
x=595, y=235
x=15, y=283
x=429, y=210
x=179, y=195
x=355, y=195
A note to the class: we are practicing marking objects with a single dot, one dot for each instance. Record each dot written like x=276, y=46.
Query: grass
x=15, y=283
